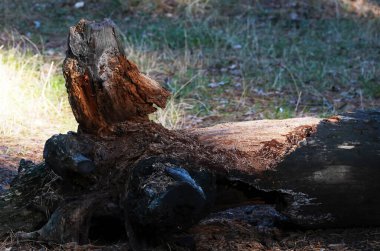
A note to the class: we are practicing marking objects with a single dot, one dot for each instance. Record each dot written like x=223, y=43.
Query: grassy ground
x=223, y=60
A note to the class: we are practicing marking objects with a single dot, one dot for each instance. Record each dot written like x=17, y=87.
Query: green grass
x=270, y=66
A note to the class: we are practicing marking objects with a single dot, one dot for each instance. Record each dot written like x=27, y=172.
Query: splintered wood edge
x=106, y=89
x=263, y=142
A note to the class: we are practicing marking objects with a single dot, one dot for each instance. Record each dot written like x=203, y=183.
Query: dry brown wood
x=264, y=143
x=327, y=170
x=104, y=87
x=316, y=173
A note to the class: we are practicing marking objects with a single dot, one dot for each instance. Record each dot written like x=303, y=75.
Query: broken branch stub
x=104, y=87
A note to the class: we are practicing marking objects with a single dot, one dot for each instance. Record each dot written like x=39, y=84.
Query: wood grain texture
x=264, y=143
x=104, y=87
x=327, y=170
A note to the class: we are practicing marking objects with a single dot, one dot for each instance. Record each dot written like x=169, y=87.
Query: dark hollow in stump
x=153, y=183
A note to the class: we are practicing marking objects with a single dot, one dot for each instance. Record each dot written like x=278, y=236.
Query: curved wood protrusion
x=104, y=87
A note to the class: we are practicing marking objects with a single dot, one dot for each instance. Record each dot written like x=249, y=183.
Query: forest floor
x=222, y=60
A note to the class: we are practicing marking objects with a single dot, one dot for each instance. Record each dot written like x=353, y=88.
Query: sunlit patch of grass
x=172, y=117
x=188, y=7
x=194, y=7
x=362, y=7
x=33, y=99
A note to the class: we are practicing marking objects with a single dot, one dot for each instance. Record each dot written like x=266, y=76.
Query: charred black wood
x=66, y=155
x=163, y=198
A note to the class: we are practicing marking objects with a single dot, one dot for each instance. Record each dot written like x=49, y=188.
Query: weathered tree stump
x=125, y=176
x=104, y=87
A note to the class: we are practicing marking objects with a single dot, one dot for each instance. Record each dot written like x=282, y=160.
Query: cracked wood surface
x=104, y=87
x=326, y=169
x=263, y=142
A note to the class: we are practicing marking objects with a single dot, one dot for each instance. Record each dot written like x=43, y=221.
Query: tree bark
x=327, y=170
x=105, y=87
x=123, y=172
x=314, y=172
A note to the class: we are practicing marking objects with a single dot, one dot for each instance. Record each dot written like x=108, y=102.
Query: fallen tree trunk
x=126, y=176
x=327, y=170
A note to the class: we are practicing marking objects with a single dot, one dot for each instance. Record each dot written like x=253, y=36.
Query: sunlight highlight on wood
x=104, y=87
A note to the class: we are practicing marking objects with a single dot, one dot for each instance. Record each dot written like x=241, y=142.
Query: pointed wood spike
x=104, y=87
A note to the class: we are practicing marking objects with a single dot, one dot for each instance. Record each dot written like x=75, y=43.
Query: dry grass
x=222, y=60
x=33, y=100
x=362, y=7
x=189, y=7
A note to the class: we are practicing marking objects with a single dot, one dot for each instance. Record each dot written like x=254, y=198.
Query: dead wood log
x=314, y=172
x=150, y=183
x=327, y=170
x=26, y=206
